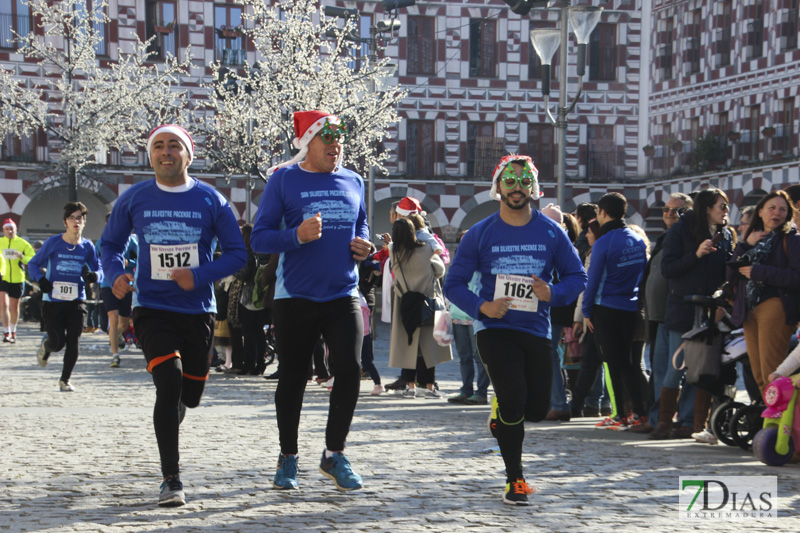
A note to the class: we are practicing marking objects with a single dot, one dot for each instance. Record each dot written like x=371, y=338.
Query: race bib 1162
x=520, y=288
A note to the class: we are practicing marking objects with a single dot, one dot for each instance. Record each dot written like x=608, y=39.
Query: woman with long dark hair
x=693, y=260
x=765, y=293
x=416, y=268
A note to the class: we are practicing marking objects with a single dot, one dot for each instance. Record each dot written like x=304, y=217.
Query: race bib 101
x=165, y=259
x=520, y=288
x=64, y=291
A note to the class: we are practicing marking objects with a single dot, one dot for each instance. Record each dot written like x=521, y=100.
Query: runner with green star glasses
x=525, y=179
x=328, y=134
x=503, y=277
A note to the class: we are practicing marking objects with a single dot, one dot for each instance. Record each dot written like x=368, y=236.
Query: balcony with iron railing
x=9, y=24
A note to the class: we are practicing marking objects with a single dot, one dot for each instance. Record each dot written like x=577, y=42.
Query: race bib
x=64, y=291
x=165, y=259
x=9, y=253
x=520, y=288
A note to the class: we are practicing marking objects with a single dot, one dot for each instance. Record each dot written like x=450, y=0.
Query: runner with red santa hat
x=312, y=213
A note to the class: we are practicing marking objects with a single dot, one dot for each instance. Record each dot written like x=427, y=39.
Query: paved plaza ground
x=87, y=460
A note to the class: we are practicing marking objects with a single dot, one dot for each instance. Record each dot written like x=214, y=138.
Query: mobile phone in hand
x=716, y=238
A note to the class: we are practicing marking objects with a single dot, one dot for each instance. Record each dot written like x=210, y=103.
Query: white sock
x=328, y=453
x=13, y=328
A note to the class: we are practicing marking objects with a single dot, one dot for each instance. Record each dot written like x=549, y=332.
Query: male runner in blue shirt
x=501, y=277
x=179, y=221
x=313, y=215
x=63, y=258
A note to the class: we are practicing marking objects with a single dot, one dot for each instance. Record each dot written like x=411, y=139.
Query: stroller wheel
x=764, y=448
x=721, y=421
x=745, y=424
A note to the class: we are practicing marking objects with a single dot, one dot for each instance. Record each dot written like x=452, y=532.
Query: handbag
x=428, y=304
x=702, y=358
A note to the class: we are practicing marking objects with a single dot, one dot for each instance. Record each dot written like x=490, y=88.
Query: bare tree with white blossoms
x=303, y=62
x=87, y=108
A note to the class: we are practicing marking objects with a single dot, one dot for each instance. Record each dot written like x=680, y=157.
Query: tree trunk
x=72, y=184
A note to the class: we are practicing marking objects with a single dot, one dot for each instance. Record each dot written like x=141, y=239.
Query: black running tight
x=298, y=325
x=520, y=368
x=174, y=393
x=63, y=322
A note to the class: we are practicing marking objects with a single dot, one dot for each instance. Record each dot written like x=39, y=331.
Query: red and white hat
x=306, y=125
x=8, y=223
x=184, y=136
x=498, y=170
x=553, y=212
x=409, y=205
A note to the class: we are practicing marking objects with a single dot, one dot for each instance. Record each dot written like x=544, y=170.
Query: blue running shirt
x=492, y=248
x=64, y=263
x=175, y=229
x=321, y=270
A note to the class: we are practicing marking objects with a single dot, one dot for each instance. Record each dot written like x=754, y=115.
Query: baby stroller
x=711, y=351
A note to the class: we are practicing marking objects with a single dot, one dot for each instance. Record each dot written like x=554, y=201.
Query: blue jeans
x=469, y=359
x=558, y=392
x=673, y=378
x=598, y=397
x=658, y=371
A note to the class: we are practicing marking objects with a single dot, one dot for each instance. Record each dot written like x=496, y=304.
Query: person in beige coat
x=415, y=267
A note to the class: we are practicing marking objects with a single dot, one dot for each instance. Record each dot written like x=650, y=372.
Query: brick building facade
x=715, y=76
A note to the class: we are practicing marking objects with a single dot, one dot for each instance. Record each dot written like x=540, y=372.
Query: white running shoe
x=705, y=437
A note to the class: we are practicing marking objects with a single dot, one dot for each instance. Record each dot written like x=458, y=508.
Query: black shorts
x=14, y=290
x=112, y=303
x=166, y=334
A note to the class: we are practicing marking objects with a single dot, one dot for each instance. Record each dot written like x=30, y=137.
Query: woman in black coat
x=767, y=285
x=695, y=251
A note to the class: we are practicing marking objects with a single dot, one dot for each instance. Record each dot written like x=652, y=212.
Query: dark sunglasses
x=677, y=211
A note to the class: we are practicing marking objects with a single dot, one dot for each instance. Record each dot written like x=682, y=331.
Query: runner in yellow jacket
x=14, y=250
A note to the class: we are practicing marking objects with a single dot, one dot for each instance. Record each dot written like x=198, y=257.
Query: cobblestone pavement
x=87, y=460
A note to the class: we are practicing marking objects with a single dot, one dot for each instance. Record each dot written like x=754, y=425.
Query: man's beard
x=521, y=205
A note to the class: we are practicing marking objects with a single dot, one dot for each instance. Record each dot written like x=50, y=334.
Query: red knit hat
x=494, y=193
x=409, y=205
x=306, y=125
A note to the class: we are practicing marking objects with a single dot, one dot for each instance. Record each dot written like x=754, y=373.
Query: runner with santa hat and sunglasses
x=312, y=213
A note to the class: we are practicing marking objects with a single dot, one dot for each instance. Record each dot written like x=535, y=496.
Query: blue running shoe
x=171, y=492
x=286, y=474
x=339, y=470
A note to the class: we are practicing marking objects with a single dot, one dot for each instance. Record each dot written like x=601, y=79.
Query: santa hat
x=8, y=223
x=409, y=205
x=306, y=125
x=553, y=212
x=184, y=136
x=498, y=171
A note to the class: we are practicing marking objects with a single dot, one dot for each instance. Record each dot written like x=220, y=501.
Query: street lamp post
x=583, y=20
x=380, y=26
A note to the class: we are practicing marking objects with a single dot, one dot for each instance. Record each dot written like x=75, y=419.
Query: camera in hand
x=743, y=261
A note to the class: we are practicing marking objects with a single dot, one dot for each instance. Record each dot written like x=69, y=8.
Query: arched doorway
x=43, y=217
